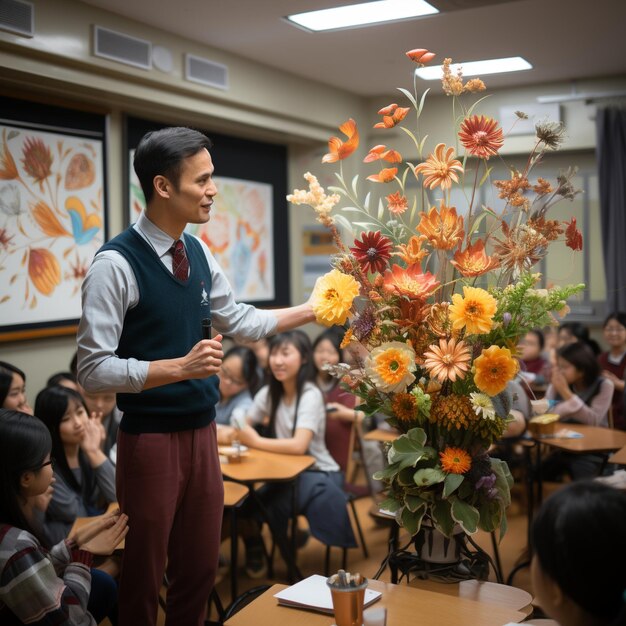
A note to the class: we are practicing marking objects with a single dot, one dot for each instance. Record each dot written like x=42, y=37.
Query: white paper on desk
x=564, y=433
x=313, y=593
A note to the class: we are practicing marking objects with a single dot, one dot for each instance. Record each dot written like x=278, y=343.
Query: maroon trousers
x=170, y=486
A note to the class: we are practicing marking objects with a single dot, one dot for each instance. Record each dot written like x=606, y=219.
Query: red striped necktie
x=180, y=266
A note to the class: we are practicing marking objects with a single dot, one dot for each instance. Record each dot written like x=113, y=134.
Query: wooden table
x=260, y=466
x=481, y=591
x=594, y=439
x=619, y=457
x=234, y=496
x=404, y=604
x=381, y=435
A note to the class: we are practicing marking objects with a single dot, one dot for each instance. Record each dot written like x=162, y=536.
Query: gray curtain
x=611, y=153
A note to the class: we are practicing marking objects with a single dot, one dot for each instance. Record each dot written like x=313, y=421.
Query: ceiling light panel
x=477, y=68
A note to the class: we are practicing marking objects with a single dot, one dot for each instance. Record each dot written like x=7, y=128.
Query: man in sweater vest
x=145, y=297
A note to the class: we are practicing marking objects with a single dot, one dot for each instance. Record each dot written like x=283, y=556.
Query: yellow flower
x=452, y=412
x=439, y=169
x=390, y=366
x=455, y=460
x=494, y=368
x=448, y=361
x=332, y=297
x=474, y=310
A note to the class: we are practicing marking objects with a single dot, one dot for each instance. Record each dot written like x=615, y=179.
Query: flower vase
x=433, y=546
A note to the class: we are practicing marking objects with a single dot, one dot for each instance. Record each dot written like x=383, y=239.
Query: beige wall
x=262, y=103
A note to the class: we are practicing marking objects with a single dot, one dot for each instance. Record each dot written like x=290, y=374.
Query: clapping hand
x=102, y=535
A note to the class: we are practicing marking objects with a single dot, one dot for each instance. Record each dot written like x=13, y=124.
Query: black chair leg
x=327, y=562
x=496, y=557
x=359, y=530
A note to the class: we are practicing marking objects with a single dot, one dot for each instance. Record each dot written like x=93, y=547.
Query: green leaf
x=471, y=109
x=390, y=504
x=388, y=472
x=365, y=225
x=412, y=520
x=466, y=515
x=381, y=209
x=421, y=145
x=409, y=95
x=343, y=222
x=451, y=483
x=416, y=435
x=422, y=100
x=485, y=176
x=355, y=181
x=366, y=203
x=428, y=476
x=413, y=503
x=442, y=517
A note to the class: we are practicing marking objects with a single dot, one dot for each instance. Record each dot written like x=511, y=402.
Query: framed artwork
x=52, y=221
x=248, y=218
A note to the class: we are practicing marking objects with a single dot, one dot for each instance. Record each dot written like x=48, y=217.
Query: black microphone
x=206, y=328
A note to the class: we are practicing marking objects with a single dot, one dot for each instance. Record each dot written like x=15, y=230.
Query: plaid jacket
x=41, y=587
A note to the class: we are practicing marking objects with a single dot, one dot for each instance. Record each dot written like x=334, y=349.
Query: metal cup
x=348, y=604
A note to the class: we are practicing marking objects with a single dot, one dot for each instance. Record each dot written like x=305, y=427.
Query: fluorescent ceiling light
x=477, y=68
x=362, y=14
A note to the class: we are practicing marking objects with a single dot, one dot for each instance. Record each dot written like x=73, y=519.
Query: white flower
x=482, y=405
x=10, y=199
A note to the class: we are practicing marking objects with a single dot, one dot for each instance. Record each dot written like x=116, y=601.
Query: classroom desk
x=234, y=496
x=404, y=604
x=594, y=439
x=260, y=466
x=382, y=436
x=619, y=457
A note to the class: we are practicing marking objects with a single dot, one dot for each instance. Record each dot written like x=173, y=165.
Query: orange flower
x=439, y=169
x=390, y=366
x=473, y=261
x=447, y=361
x=410, y=282
x=404, y=406
x=412, y=251
x=44, y=270
x=481, y=136
x=455, y=461
x=381, y=152
x=396, y=203
x=421, y=55
x=573, y=237
x=495, y=367
x=392, y=115
x=47, y=220
x=474, y=85
x=338, y=148
x=37, y=160
x=385, y=175
x=542, y=187
x=443, y=228
x=474, y=310
x=8, y=170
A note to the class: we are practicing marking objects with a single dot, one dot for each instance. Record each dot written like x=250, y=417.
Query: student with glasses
x=613, y=362
x=41, y=584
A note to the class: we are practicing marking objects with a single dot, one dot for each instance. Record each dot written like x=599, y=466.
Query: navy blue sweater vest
x=165, y=324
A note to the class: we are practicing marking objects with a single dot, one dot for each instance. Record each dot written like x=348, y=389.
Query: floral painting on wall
x=52, y=220
x=239, y=233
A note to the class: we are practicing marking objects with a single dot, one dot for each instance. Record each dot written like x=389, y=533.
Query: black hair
x=540, y=338
x=335, y=336
x=581, y=332
x=24, y=445
x=74, y=364
x=50, y=407
x=301, y=342
x=618, y=316
x=249, y=366
x=6, y=379
x=162, y=152
x=578, y=537
x=59, y=377
x=581, y=356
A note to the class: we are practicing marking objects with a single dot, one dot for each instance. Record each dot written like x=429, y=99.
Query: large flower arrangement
x=437, y=300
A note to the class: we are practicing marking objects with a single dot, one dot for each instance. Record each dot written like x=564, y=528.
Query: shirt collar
x=159, y=239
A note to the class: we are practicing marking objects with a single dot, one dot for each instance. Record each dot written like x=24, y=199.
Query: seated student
x=40, y=586
x=297, y=423
x=85, y=478
x=13, y=388
x=102, y=406
x=581, y=395
x=340, y=409
x=239, y=381
x=571, y=332
x=261, y=352
x=579, y=546
x=534, y=368
x=613, y=363
x=63, y=379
